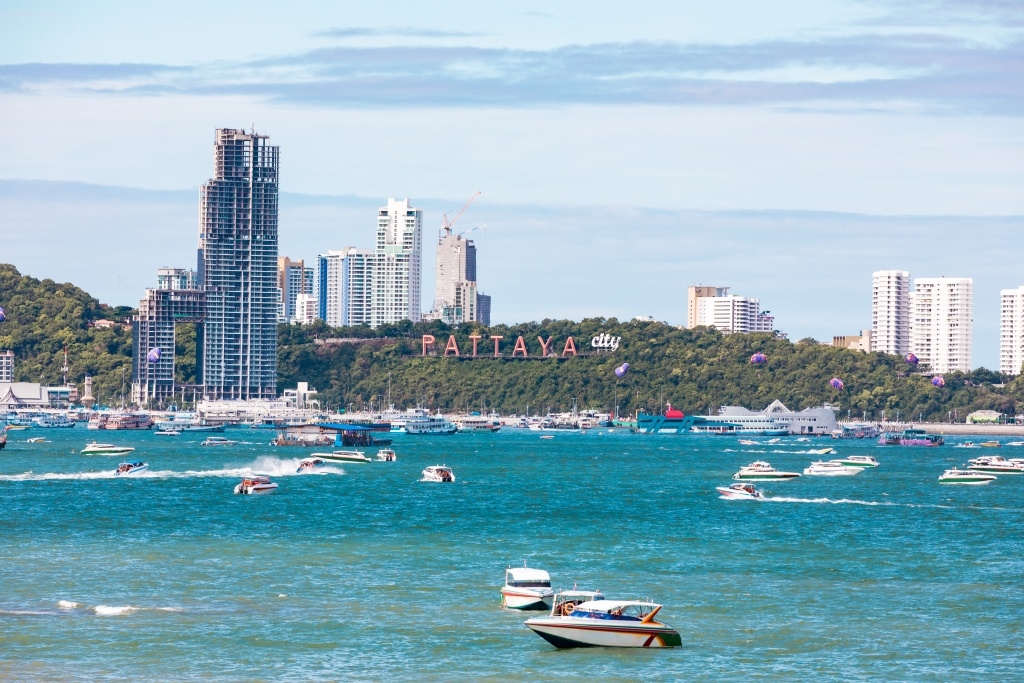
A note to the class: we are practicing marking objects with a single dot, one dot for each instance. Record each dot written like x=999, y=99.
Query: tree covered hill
x=43, y=316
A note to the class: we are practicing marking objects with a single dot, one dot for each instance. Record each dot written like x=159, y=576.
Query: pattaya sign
x=519, y=350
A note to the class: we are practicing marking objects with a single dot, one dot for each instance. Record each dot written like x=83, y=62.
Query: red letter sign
x=520, y=347
x=475, y=338
x=452, y=345
x=497, y=341
x=570, y=347
x=428, y=342
x=545, y=346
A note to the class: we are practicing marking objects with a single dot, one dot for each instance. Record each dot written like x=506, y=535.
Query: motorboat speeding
x=739, y=492
x=763, y=471
x=105, y=449
x=862, y=461
x=386, y=455
x=439, y=473
x=526, y=588
x=830, y=469
x=606, y=623
x=133, y=467
x=956, y=476
x=218, y=441
x=311, y=465
x=821, y=451
x=343, y=456
x=254, y=485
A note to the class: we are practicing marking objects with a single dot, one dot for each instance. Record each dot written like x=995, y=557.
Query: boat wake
x=274, y=467
x=847, y=501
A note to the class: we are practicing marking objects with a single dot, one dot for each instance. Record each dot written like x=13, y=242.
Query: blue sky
x=896, y=113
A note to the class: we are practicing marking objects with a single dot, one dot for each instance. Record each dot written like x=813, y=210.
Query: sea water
x=364, y=571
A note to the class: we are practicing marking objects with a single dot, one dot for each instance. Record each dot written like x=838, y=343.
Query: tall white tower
x=941, y=323
x=1011, y=330
x=397, y=270
x=890, y=311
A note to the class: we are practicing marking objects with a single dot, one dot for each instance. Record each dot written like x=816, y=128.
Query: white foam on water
x=847, y=501
x=106, y=611
x=67, y=604
x=275, y=467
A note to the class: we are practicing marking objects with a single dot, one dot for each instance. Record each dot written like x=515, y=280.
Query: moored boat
x=957, y=476
x=762, y=471
x=994, y=463
x=105, y=449
x=256, y=485
x=167, y=432
x=432, y=425
x=133, y=467
x=607, y=623
x=526, y=588
x=739, y=492
x=439, y=473
x=857, y=461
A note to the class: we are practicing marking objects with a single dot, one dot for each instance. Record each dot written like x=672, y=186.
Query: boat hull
x=778, y=476
x=518, y=598
x=570, y=632
x=969, y=482
x=732, y=494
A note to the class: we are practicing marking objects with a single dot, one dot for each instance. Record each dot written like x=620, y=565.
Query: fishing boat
x=311, y=465
x=830, y=469
x=526, y=588
x=133, y=467
x=105, y=449
x=857, y=461
x=386, y=455
x=256, y=485
x=739, y=492
x=911, y=437
x=607, y=623
x=343, y=456
x=763, y=471
x=957, y=476
x=439, y=473
x=218, y=441
x=994, y=463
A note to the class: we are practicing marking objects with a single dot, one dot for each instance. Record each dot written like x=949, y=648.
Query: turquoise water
x=367, y=572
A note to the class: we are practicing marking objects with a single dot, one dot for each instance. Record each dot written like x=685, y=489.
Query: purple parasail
x=758, y=359
x=836, y=383
x=938, y=381
x=154, y=355
x=912, y=359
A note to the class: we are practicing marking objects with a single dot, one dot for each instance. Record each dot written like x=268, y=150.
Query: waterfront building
x=1011, y=330
x=861, y=342
x=890, y=311
x=238, y=233
x=293, y=279
x=396, y=277
x=22, y=395
x=6, y=366
x=346, y=287
x=941, y=322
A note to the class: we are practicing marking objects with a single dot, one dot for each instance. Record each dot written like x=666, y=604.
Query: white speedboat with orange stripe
x=526, y=588
x=607, y=623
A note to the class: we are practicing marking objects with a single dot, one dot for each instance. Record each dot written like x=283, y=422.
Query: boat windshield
x=628, y=612
x=529, y=584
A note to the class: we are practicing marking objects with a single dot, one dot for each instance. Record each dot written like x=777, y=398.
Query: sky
x=735, y=143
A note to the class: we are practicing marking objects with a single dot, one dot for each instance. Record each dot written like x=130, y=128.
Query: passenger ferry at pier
x=435, y=425
x=775, y=420
x=911, y=437
x=120, y=421
x=476, y=423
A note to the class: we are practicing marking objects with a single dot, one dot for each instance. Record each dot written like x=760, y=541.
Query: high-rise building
x=483, y=309
x=397, y=267
x=456, y=263
x=733, y=313
x=941, y=322
x=890, y=311
x=305, y=309
x=1011, y=330
x=694, y=294
x=6, y=366
x=293, y=278
x=346, y=286
x=238, y=268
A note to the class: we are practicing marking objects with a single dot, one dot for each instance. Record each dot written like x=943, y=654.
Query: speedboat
x=218, y=441
x=774, y=441
x=995, y=463
x=607, y=623
x=547, y=436
x=343, y=456
x=831, y=469
x=821, y=451
x=386, y=455
x=105, y=449
x=955, y=476
x=857, y=461
x=133, y=467
x=761, y=470
x=564, y=603
x=526, y=588
x=37, y=439
x=167, y=432
x=990, y=444
x=439, y=473
x=311, y=465
x=747, y=442
x=1015, y=443
x=739, y=492
x=966, y=444
x=254, y=485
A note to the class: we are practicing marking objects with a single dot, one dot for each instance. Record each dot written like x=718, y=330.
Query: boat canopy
x=629, y=610
x=527, y=577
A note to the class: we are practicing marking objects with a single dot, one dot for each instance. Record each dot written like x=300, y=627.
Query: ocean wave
x=67, y=604
x=107, y=611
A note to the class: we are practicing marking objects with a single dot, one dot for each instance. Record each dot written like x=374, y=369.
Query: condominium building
x=941, y=322
x=890, y=311
x=456, y=299
x=176, y=278
x=6, y=366
x=345, y=286
x=305, y=309
x=483, y=309
x=238, y=268
x=397, y=276
x=293, y=279
x=733, y=313
x=693, y=296
x=1011, y=330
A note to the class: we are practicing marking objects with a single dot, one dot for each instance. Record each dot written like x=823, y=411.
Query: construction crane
x=447, y=224
x=473, y=229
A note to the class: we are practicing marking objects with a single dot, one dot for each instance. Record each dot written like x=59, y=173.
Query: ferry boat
x=133, y=467
x=956, y=476
x=527, y=589
x=439, y=473
x=911, y=437
x=434, y=425
x=53, y=422
x=830, y=469
x=856, y=430
x=128, y=421
x=218, y=441
x=857, y=461
x=343, y=456
x=105, y=449
x=607, y=623
x=255, y=485
x=763, y=471
x=739, y=492
x=476, y=423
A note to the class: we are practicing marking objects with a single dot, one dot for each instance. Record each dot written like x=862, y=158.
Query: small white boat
x=439, y=473
x=955, y=476
x=311, y=465
x=821, y=451
x=167, y=432
x=218, y=441
x=803, y=439
x=343, y=456
x=133, y=467
x=990, y=444
x=762, y=471
x=526, y=588
x=747, y=442
x=995, y=463
x=256, y=485
x=1015, y=443
x=37, y=439
x=105, y=449
x=607, y=623
x=774, y=441
x=830, y=469
x=861, y=461
x=966, y=444
x=739, y=492
x=547, y=436
x=386, y=455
